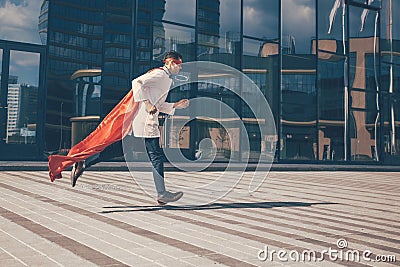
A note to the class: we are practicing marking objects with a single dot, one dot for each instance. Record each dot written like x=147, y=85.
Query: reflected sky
x=19, y=18
x=261, y=18
x=174, y=8
x=25, y=65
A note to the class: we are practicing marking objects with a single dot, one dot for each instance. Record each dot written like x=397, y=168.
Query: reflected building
x=208, y=21
x=74, y=34
x=21, y=108
x=332, y=99
x=22, y=111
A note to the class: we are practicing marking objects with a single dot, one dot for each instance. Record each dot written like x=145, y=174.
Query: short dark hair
x=172, y=54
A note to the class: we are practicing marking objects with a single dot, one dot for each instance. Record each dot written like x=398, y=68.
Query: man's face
x=174, y=66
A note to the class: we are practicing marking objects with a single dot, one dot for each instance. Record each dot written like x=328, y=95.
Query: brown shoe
x=77, y=171
x=163, y=199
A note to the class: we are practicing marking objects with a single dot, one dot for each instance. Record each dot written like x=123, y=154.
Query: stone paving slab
x=108, y=220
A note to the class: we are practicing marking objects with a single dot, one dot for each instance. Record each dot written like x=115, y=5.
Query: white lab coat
x=153, y=86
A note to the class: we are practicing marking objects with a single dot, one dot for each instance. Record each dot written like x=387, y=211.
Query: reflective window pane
x=331, y=75
x=297, y=39
x=168, y=37
x=372, y=3
x=391, y=127
x=390, y=79
x=261, y=18
x=331, y=109
x=395, y=9
x=222, y=129
x=298, y=79
x=330, y=24
x=260, y=62
x=219, y=31
x=1, y=69
x=363, y=68
x=364, y=51
x=362, y=135
x=22, y=97
x=180, y=11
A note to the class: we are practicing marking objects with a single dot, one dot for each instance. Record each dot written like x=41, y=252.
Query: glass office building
x=328, y=69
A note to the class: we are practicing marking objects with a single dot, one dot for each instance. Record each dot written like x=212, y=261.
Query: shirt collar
x=166, y=70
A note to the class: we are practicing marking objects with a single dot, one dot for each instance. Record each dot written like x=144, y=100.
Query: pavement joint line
x=89, y=253
x=76, y=229
x=361, y=233
x=338, y=221
x=126, y=191
x=325, y=196
x=266, y=214
x=14, y=257
x=252, y=236
x=289, y=167
x=126, y=182
x=348, y=199
x=29, y=246
x=274, y=181
x=180, y=244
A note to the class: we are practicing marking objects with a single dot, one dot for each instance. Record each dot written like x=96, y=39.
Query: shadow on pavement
x=213, y=206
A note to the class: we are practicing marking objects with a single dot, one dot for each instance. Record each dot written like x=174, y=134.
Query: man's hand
x=150, y=108
x=184, y=103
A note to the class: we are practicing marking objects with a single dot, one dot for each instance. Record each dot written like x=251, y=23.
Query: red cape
x=115, y=126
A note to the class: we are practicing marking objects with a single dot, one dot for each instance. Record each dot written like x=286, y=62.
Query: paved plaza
x=343, y=218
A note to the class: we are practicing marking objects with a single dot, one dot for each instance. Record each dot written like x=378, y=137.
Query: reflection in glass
x=222, y=130
x=298, y=92
x=22, y=97
x=218, y=38
x=168, y=37
x=174, y=8
x=362, y=135
x=363, y=81
x=372, y=3
x=1, y=69
x=298, y=119
x=294, y=13
x=331, y=108
x=261, y=18
x=219, y=31
x=390, y=78
x=330, y=23
x=331, y=77
x=87, y=92
x=391, y=131
x=260, y=62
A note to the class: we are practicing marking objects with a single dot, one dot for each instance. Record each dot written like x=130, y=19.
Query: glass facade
x=21, y=100
x=329, y=71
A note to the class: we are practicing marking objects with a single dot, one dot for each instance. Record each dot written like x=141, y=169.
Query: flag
x=333, y=15
x=364, y=16
x=115, y=126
